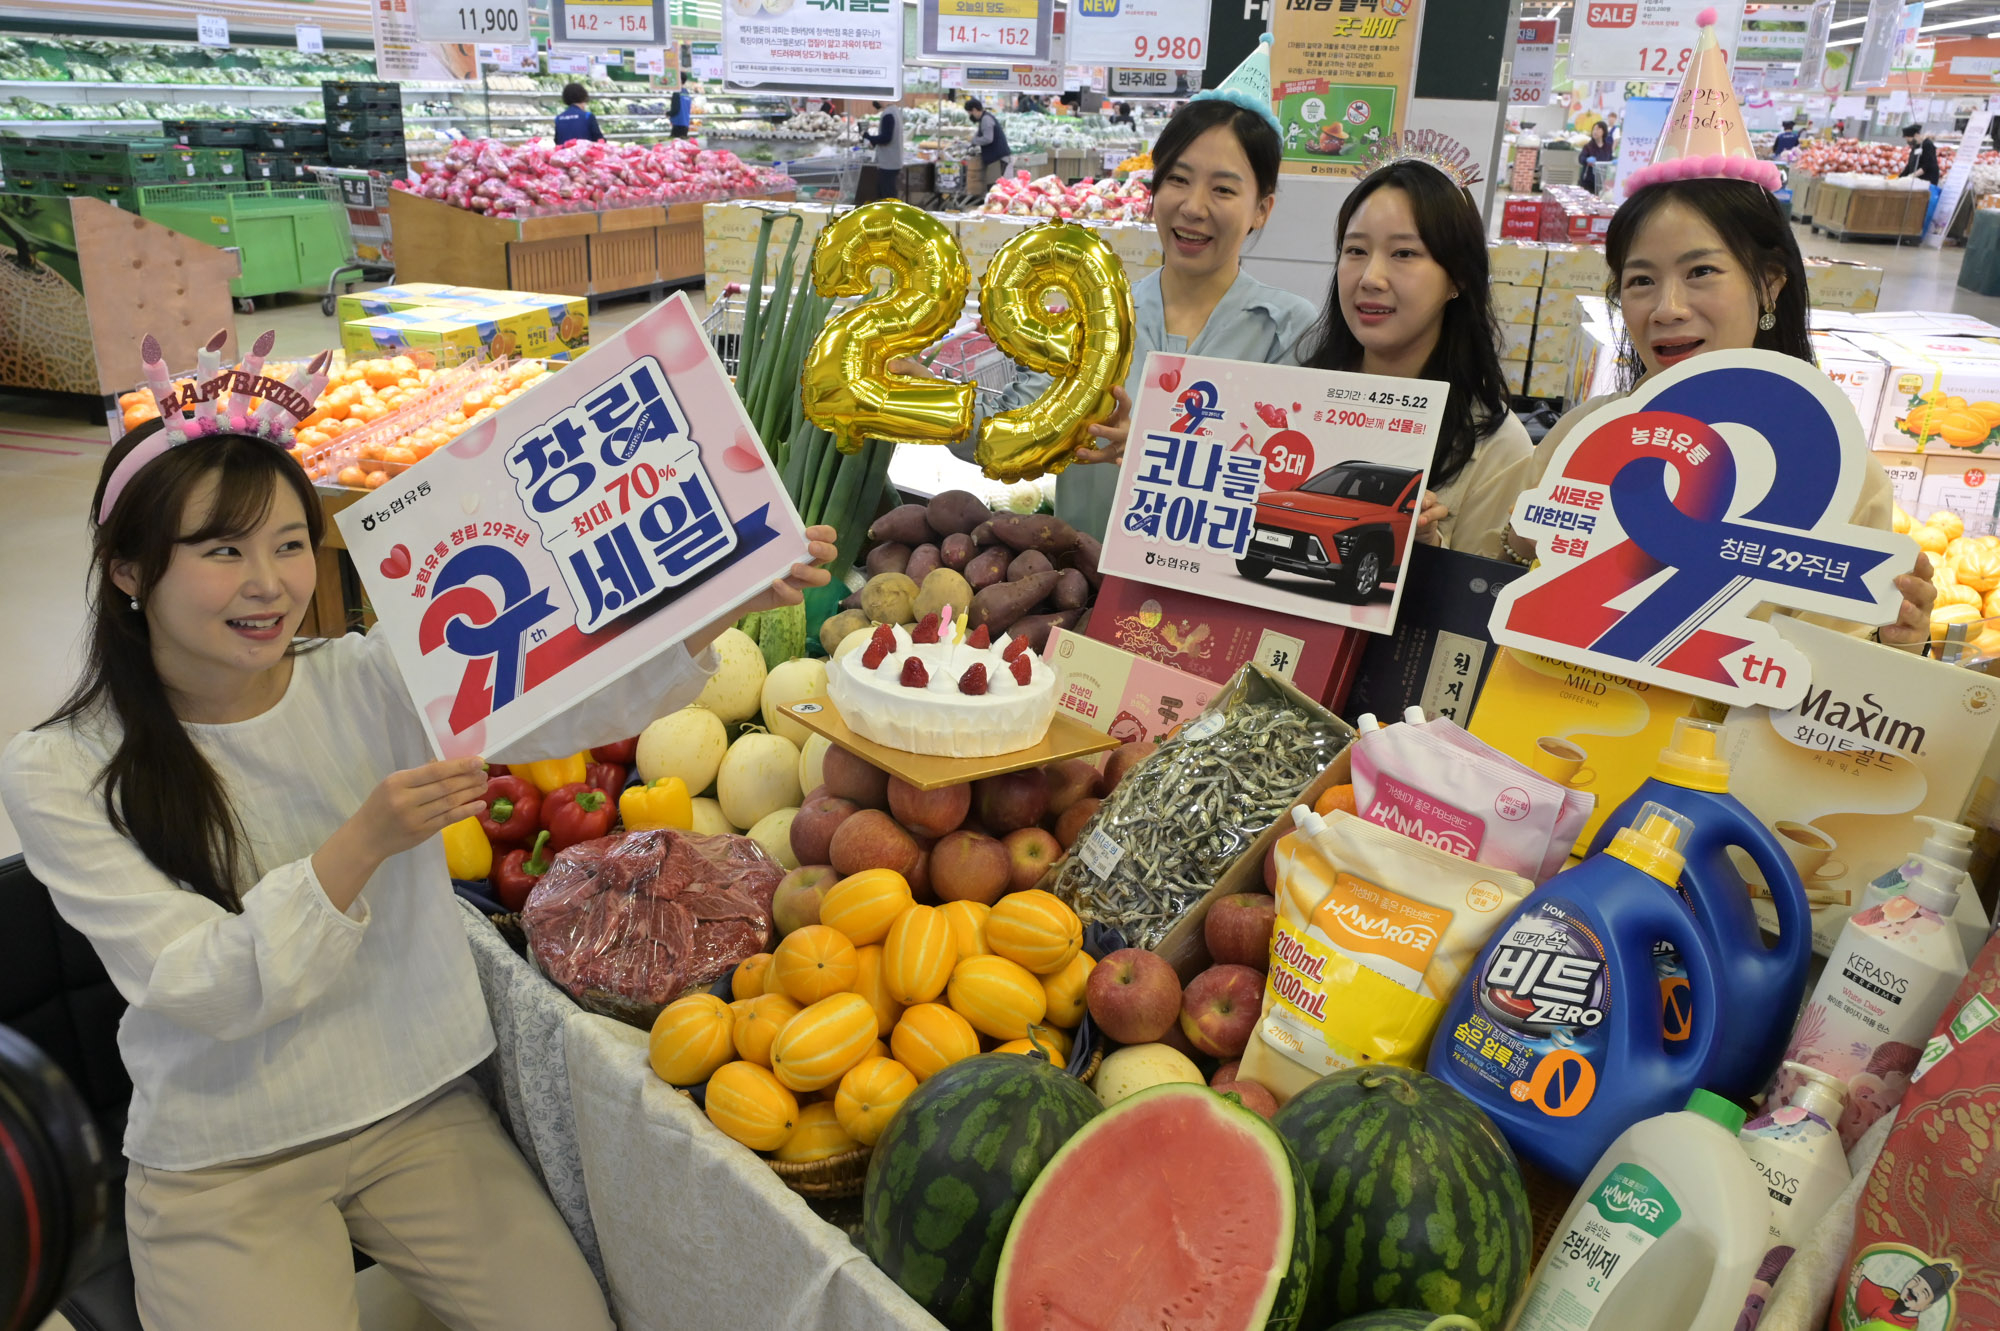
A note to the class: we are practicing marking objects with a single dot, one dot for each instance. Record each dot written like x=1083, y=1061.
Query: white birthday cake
x=944, y=692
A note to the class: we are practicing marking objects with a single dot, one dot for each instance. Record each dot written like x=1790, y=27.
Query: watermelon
x=1419, y=1201
x=954, y=1164
x=1405, y=1319
x=1176, y=1207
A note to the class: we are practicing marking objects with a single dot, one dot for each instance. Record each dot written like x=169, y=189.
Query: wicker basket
x=835, y=1176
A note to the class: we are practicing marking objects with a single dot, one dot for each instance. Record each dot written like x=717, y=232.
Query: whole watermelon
x=1405, y=1319
x=948, y=1175
x=1418, y=1200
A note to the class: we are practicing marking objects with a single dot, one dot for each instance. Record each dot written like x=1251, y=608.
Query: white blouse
x=291, y=1022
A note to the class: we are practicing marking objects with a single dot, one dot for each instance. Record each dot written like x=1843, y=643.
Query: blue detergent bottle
x=1556, y=1031
x=1693, y=780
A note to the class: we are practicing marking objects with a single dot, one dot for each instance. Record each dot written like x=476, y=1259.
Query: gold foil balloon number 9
x=846, y=385
x=1086, y=346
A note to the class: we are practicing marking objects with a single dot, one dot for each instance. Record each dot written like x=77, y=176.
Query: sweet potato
x=982, y=535
x=1026, y=563
x=957, y=550
x=905, y=524
x=1034, y=531
x=923, y=560
x=888, y=557
x=987, y=567
x=1072, y=589
x=853, y=602
x=1083, y=558
x=1004, y=602
x=1035, y=628
x=956, y=511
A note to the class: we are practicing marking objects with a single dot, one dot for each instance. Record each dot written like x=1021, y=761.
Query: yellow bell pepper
x=665, y=803
x=554, y=773
x=467, y=852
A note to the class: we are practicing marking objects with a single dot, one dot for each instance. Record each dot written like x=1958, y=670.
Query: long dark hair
x=158, y=789
x=1467, y=354
x=1757, y=233
x=1259, y=141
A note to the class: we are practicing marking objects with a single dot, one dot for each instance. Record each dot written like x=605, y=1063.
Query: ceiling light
x=1850, y=22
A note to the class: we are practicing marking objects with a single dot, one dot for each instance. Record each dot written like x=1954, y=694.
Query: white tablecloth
x=697, y=1234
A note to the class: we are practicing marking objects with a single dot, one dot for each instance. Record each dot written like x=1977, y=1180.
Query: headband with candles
x=283, y=404
x=1705, y=138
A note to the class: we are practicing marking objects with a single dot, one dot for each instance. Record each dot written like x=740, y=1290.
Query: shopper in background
x=1411, y=299
x=1598, y=149
x=1923, y=164
x=680, y=112
x=245, y=827
x=1121, y=114
x=1787, y=140
x=888, y=141
x=575, y=121
x=1712, y=265
x=989, y=138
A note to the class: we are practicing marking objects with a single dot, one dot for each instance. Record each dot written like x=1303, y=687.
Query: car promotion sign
x=1667, y=517
x=1294, y=489
x=583, y=529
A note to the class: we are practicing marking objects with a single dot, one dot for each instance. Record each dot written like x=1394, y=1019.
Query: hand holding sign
x=1664, y=519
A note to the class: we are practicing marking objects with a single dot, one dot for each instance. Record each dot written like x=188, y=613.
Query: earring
x=1767, y=321
x=135, y=603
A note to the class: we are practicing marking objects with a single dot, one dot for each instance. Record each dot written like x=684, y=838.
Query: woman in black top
x=1599, y=149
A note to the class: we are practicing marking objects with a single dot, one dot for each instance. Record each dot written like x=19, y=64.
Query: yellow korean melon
x=751, y=1106
x=813, y=963
x=968, y=926
x=999, y=997
x=868, y=983
x=918, y=955
x=747, y=980
x=870, y=1094
x=864, y=905
x=818, y=1136
x=1050, y=1041
x=758, y=1025
x=1064, y=990
x=691, y=1038
x=820, y=1044
x=930, y=1037
x=1034, y=929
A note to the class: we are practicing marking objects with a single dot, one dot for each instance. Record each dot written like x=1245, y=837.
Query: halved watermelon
x=1175, y=1208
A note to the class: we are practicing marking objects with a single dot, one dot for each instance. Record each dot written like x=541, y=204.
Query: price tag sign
x=1534, y=62
x=650, y=60
x=1170, y=34
x=212, y=29
x=707, y=60
x=1643, y=39
x=496, y=21
x=311, y=40
x=611, y=22
x=967, y=30
x=1151, y=82
x=568, y=64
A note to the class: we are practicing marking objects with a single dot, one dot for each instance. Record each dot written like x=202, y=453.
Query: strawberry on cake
x=942, y=691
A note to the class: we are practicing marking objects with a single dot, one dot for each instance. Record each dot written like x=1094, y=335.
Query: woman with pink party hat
x=1703, y=259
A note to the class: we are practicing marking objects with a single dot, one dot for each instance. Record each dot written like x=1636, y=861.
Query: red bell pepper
x=516, y=873
x=577, y=812
x=498, y=769
x=513, y=811
x=622, y=753
x=607, y=777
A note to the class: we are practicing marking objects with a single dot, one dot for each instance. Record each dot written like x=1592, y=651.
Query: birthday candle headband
x=284, y=404
x=1438, y=151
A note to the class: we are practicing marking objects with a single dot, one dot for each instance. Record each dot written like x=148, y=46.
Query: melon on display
x=1418, y=1200
x=1176, y=1208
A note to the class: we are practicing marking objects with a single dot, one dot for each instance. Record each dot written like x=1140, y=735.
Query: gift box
x=1211, y=638
x=1122, y=694
x=1438, y=656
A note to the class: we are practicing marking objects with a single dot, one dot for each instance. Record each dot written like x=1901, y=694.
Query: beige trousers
x=436, y=1193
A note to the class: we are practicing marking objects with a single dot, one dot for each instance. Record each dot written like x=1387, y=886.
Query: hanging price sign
x=1165, y=33
x=211, y=29
x=499, y=21
x=650, y=60
x=311, y=40
x=1643, y=39
x=610, y=22
x=967, y=29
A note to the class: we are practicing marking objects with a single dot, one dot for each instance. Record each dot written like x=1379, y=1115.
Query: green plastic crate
x=292, y=237
x=37, y=155
x=31, y=182
x=218, y=164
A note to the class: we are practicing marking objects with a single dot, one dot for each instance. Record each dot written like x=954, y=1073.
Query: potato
x=988, y=567
x=956, y=550
x=1004, y=602
x=1027, y=563
x=888, y=599
x=922, y=560
x=1034, y=531
x=1072, y=590
x=904, y=524
x=943, y=588
x=888, y=557
x=836, y=628
x=956, y=511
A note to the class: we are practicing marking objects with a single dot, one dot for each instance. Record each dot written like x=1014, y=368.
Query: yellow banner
x=1341, y=74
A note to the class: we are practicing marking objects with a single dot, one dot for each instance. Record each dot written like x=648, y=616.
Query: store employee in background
x=888, y=141
x=1787, y=140
x=680, y=112
x=989, y=136
x=574, y=121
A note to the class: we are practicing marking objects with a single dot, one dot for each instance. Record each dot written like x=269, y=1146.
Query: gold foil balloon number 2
x=1084, y=347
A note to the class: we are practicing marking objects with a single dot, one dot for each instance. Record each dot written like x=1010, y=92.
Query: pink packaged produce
x=1124, y=695
x=648, y=916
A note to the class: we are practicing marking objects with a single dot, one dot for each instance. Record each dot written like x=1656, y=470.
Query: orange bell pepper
x=664, y=803
x=554, y=773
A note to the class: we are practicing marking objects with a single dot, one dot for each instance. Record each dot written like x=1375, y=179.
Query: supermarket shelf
x=291, y=89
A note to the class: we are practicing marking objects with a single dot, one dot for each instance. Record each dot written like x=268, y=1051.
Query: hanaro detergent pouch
x=1577, y=805
x=1375, y=931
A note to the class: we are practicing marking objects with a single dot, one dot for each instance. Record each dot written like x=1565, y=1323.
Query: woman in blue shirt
x=574, y=121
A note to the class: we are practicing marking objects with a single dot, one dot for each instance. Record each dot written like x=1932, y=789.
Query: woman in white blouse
x=245, y=828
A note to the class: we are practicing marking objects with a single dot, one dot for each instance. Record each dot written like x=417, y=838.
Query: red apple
x=1220, y=1009
x=1030, y=851
x=1254, y=1097
x=1271, y=867
x=1176, y=1038
x=855, y=779
x=1069, y=781
x=1238, y=929
x=813, y=828
x=920, y=877
x=796, y=902
x=930, y=813
x=1012, y=800
x=1069, y=827
x=970, y=866
x=1227, y=1072
x=1122, y=760
x=870, y=839
x=1134, y=996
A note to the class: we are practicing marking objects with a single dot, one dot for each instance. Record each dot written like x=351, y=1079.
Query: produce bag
x=630, y=923
x=1185, y=814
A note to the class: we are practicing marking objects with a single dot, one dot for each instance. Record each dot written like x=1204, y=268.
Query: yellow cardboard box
x=1554, y=344
x=1837, y=284
x=1514, y=305
x=1579, y=267
x=1557, y=308
x=451, y=337
x=1548, y=378
x=1516, y=340
x=1520, y=263
x=1515, y=373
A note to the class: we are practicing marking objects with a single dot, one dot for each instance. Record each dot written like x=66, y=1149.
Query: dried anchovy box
x=1179, y=820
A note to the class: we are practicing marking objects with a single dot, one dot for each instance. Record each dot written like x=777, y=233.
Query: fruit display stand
x=1845, y=213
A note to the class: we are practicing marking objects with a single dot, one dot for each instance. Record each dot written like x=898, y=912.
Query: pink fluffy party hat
x=1705, y=137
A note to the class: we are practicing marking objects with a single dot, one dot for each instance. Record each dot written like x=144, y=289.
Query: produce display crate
x=381, y=152
x=32, y=155
x=343, y=95
x=291, y=135
x=1886, y=214
x=366, y=122
x=118, y=193
x=291, y=237
x=1075, y=165
x=133, y=161
x=45, y=183
x=1804, y=184
x=559, y=265
x=624, y=253
x=211, y=133
x=218, y=164
x=265, y=165
x=681, y=257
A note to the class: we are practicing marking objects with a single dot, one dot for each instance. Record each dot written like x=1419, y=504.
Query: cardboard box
x=1881, y=737
x=1585, y=728
x=1120, y=693
x=1842, y=284
x=1203, y=636
x=388, y=299
x=1516, y=341
x=1906, y=478
x=1860, y=375
x=1518, y=263
x=1514, y=305
x=1926, y=323
x=1580, y=267
x=1553, y=344
x=1548, y=379
x=1557, y=308
x=451, y=337
x=1915, y=374
x=1515, y=372
x=1593, y=362
x=1966, y=488
x=1136, y=245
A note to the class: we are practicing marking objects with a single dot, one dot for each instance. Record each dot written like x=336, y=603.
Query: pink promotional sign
x=1667, y=517
x=1289, y=489
x=587, y=526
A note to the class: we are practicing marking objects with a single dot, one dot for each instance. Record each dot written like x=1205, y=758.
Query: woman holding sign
x=1706, y=261
x=245, y=827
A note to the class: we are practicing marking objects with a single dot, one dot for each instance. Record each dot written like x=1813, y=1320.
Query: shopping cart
x=361, y=198
x=830, y=178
